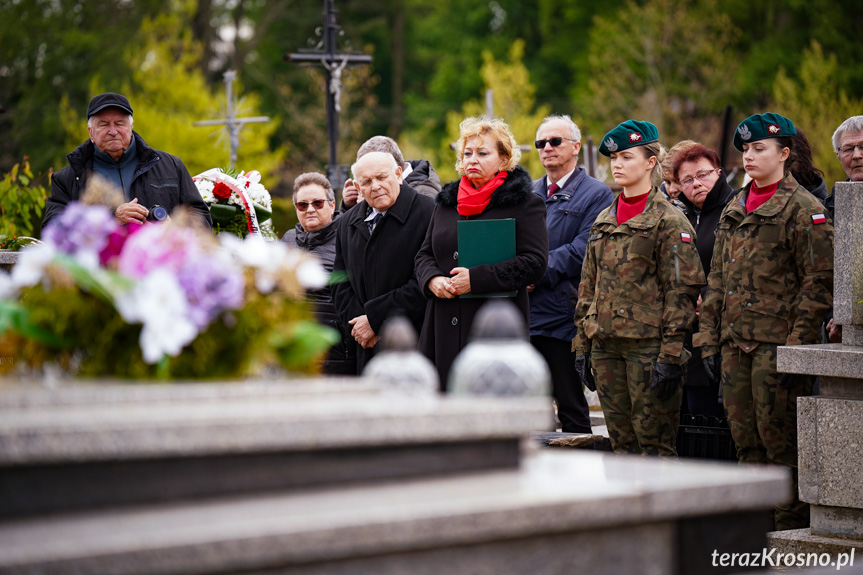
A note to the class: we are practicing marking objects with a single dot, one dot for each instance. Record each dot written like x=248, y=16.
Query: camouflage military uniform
x=636, y=303
x=770, y=283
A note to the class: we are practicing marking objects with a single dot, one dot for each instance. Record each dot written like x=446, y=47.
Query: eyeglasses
x=849, y=149
x=303, y=206
x=700, y=176
x=555, y=142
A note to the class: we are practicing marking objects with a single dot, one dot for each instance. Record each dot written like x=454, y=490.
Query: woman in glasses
x=705, y=193
x=636, y=299
x=770, y=284
x=492, y=187
x=315, y=203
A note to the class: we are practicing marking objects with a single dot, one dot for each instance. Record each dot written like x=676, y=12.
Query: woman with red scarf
x=492, y=187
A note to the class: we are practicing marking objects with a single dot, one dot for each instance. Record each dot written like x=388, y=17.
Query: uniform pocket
x=642, y=245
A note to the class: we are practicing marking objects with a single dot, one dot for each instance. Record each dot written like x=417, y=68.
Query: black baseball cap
x=108, y=100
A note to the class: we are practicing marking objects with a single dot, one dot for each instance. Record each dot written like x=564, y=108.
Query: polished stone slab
x=173, y=421
x=557, y=496
x=95, y=446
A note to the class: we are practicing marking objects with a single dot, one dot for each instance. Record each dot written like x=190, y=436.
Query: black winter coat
x=341, y=358
x=380, y=281
x=705, y=221
x=160, y=179
x=448, y=322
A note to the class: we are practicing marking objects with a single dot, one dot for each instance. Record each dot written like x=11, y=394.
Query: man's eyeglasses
x=555, y=142
x=849, y=149
x=303, y=206
x=700, y=176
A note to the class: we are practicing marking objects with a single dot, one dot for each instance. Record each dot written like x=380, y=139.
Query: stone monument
x=830, y=433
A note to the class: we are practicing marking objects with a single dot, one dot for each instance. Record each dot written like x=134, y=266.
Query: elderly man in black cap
x=154, y=182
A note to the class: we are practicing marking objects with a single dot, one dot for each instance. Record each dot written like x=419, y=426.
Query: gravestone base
x=830, y=458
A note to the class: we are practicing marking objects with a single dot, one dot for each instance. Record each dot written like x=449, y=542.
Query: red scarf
x=757, y=196
x=628, y=208
x=472, y=202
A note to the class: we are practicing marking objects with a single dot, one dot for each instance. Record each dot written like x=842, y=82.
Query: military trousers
x=763, y=418
x=637, y=421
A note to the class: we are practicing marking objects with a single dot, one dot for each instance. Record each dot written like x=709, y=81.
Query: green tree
x=814, y=103
x=514, y=100
x=677, y=72
x=168, y=93
x=52, y=48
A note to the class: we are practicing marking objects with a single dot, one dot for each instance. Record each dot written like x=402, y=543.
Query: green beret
x=629, y=134
x=761, y=126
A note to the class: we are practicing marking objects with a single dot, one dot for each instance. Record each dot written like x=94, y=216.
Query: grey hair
x=382, y=144
x=852, y=124
x=312, y=178
x=387, y=155
x=128, y=117
x=574, y=132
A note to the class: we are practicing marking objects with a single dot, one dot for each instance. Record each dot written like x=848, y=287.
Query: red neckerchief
x=628, y=208
x=471, y=201
x=757, y=196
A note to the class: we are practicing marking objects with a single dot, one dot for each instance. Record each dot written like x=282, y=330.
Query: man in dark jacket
x=418, y=174
x=573, y=200
x=848, y=146
x=705, y=194
x=376, y=243
x=148, y=177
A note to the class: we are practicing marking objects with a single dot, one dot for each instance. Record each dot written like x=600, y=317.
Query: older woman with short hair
x=492, y=187
x=315, y=232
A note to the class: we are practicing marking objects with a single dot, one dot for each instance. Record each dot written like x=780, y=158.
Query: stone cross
x=231, y=121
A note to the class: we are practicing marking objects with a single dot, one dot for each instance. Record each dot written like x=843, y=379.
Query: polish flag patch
x=685, y=237
x=819, y=219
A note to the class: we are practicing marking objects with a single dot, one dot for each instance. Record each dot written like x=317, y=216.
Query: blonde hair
x=479, y=126
x=655, y=150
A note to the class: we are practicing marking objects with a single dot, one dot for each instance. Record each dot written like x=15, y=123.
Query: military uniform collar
x=769, y=208
x=653, y=210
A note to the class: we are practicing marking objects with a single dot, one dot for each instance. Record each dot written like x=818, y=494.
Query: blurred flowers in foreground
x=158, y=300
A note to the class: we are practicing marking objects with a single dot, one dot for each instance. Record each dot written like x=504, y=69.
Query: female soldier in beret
x=636, y=301
x=770, y=284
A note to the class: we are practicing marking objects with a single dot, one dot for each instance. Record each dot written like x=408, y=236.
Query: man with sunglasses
x=573, y=200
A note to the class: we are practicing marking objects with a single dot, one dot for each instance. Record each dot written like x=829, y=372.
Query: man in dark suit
x=376, y=243
x=572, y=200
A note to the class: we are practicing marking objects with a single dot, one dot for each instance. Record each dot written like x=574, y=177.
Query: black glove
x=582, y=367
x=787, y=380
x=666, y=379
x=713, y=367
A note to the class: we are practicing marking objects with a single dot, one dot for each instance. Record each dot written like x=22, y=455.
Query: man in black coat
x=376, y=243
x=148, y=177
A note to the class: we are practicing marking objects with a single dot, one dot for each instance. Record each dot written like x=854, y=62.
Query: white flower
x=31, y=264
x=312, y=274
x=8, y=290
x=158, y=302
x=157, y=295
x=166, y=338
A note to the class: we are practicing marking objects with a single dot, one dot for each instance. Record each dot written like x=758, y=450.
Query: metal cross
x=231, y=122
x=333, y=62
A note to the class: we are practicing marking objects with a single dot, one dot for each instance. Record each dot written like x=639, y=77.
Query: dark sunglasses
x=555, y=142
x=303, y=206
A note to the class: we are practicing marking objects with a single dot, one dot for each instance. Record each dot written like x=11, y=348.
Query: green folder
x=486, y=242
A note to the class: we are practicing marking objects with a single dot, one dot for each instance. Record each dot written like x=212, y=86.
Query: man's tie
x=374, y=222
x=552, y=189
